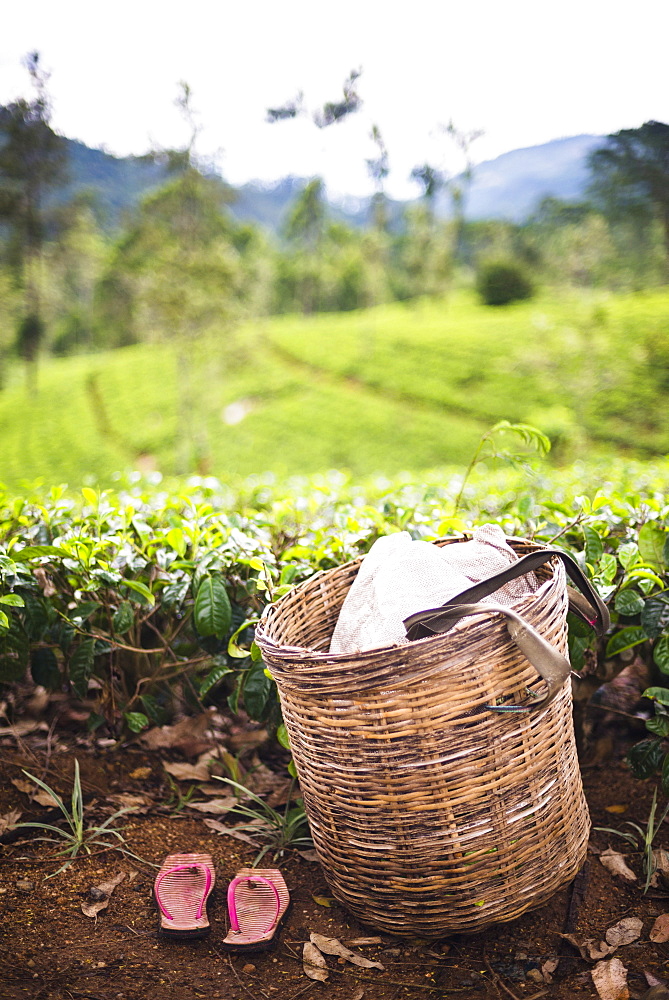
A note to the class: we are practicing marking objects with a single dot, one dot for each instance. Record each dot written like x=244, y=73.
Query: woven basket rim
x=378, y=652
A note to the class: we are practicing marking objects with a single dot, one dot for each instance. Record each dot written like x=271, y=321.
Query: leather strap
x=546, y=659
x=592, y=610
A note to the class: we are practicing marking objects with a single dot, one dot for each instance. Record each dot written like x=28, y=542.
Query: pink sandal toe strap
x=183, y=868
x=232, y=905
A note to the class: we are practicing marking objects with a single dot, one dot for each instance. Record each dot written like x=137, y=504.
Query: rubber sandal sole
x=182, y=892
x=258, y=901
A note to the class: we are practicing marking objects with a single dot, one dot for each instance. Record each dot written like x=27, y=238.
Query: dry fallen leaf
x=361, y=942
x=9, y=820
x=358, y=993
x=36, y=793
x=313, y=963
x=610, y=979
x=309, y=855
x=656, y=993
x=331, y=946
x=100, y=896
x=625, y=931
x=227, y=831
x=614, y=862
x=187, y=772
x=190, y=735
x=591, y=950
x=548, y=968
x=217, y=807
x=659, y=932
x=131, y=803
x=623, y=807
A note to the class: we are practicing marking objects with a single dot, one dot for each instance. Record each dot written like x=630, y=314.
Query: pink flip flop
x=257, y=902
x=181, y=890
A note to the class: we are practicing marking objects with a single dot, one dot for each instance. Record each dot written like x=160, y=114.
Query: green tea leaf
x=594, y=547
x=658, y=694
x=124, y=618
x=625, y=639
x=257, y=692
x=235, y=650
x=36, y=617
x=655, y=615
x=629, y=603
x=14, y=656
x=35, y=552
x=628, y=554
x=44, y=668
x=651, y=544
x=608, y=567
x=141, y=589
x=220, y=671
x=90, y=496
x=282, y=736
x=12, y=601
x=661, y=654
x=135, y=721
x=659, y=725
x=83, y=611
x=81, y=667
x=646, y=758
x=176, y=538
x=212, y=612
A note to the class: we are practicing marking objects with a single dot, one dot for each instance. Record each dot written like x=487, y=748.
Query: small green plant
x=643, y=837
x=79, y=837
x=281, y=830
x=501, y=282
x=176, y=801
x=492, y=445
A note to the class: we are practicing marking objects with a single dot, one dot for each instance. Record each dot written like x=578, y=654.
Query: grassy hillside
x=392, y=388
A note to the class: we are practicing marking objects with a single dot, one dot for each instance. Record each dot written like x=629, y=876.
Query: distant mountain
x=508, y=187
x=513, y=184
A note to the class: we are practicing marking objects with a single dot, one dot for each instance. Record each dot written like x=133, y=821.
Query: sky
x=522, y=71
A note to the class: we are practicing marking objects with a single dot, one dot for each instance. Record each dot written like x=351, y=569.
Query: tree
x=32, y=160
x=177, y=274
x=305, y=230
x=631, y=173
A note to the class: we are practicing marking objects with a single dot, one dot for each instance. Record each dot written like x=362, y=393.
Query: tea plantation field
x=397, y=387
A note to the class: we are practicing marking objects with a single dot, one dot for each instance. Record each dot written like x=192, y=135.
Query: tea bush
x=143, y=601
x=501, y=282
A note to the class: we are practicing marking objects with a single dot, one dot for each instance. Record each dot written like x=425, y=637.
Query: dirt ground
x=51, y=950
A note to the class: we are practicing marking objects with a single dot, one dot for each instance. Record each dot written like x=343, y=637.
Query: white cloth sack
x=399, y=576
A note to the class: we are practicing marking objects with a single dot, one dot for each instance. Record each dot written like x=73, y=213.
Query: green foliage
x=501, y=282
x=396, y=387
x=32, y=160
x=280, y=830
x=78, y=837
x=631, y=173
x=143, y=602
x=643, y=837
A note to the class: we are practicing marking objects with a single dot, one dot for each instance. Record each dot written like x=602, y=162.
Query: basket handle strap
x=587, y=604
x=548, y=661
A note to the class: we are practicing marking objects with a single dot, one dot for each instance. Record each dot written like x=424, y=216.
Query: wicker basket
x=430, y=813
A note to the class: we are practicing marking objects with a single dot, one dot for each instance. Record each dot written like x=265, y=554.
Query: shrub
x=500, y=282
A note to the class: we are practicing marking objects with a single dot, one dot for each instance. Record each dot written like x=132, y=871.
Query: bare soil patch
x=50, y=950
